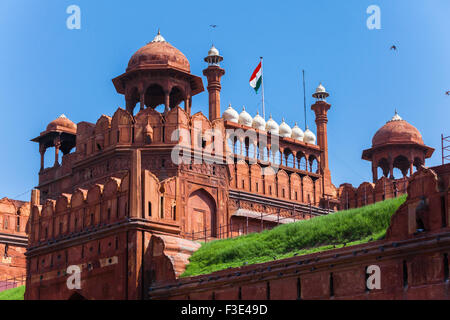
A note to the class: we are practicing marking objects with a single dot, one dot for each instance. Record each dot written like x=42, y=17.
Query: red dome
x=62, y=123
x=397, y=132
x=158, y=52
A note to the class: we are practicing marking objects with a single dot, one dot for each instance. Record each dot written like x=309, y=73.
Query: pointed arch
x=201, y=214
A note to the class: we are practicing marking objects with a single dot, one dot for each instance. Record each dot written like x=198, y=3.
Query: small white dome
x=159, y=37
x=259, y=122
x=213, y=51
x=230, y=115
x=320, y=88
x=309, y=137
x=396, y=117
x=297, y=133
x=245, y=118
x=284, y=130
x=272, y=126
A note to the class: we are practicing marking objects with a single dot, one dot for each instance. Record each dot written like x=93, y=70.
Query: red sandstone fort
x=121, y=209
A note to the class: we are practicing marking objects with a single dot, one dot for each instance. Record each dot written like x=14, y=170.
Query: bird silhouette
x=213, y=25
x=394, y=47
x=447, y=93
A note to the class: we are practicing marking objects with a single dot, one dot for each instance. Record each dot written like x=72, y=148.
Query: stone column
x=391, y=169
x=374, y=172
x=166, y=101
x=42, y=150
x=57, y=147
x=142, y=101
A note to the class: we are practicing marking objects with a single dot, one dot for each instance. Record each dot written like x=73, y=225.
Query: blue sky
x=47, y=69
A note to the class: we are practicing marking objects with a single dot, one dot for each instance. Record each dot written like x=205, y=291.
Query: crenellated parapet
x=368, y=193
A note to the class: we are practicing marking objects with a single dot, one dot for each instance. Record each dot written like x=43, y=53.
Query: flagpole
x=304, y=98
x=262, y=92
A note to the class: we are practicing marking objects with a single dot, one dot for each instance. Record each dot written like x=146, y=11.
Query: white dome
x=230, y=115
x=272, y=126
x=258, y=122
x=213, y=51
x=297, y=133
x=284, y=130
x=320, y=88
x=245, y=118
x=396, y=117
x=309, y=137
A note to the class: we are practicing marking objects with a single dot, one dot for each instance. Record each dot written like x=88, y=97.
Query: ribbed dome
x=397, y=131
x=62, y=123
x=297, y=133
x=158, y=53
x=259, y=122
x=309, y=137
x=272, y=126
x=284, y=130
x=230, y=115
x=245, y=118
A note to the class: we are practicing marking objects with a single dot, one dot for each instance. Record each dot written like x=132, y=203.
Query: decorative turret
x=214, y=73
x=158, y=74
x=320, y=108
x=60, y=134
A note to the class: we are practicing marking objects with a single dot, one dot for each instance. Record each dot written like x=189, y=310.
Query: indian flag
x=256, y=78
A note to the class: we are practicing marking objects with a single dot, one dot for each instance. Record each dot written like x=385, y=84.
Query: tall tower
x=320, y=108
x=213, y=73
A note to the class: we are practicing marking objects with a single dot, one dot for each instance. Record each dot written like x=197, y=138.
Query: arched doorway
x=201, y=215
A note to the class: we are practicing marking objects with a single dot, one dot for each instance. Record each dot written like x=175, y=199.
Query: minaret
x=321, y=107
x=213, y=73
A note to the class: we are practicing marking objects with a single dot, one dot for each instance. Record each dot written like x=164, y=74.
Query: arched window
x=313, y=165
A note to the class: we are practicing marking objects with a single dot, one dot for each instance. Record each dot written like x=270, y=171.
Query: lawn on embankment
x=349, y=227
x=13, y=294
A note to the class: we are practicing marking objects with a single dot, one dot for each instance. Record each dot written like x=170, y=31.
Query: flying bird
x=213, y=25
x=394, y=47
x=447, y=93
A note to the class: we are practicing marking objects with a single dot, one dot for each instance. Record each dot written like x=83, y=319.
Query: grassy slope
x=348, y=227
x=13, y=294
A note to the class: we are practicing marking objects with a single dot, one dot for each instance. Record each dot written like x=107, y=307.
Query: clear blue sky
x=47, y=70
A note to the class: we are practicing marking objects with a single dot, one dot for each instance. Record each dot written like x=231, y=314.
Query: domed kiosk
x=397, y=144
x=60, y=134
x=158, y=74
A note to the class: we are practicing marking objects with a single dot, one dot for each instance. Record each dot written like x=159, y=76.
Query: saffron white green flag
x=256, y=78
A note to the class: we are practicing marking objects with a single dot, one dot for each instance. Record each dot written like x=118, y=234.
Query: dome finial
x=159, y=37
x=396, y=116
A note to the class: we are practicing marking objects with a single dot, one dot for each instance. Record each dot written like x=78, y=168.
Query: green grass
x=13, y=294
x=322, y=233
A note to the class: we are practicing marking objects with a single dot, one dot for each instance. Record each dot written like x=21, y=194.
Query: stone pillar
x=411, y=169
x=42, y=150
x=391, y=169
x=142, y=101
x=166, y=101
x=187, y=104
x=57, y=147
x=214, y=73
x=374, y=172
